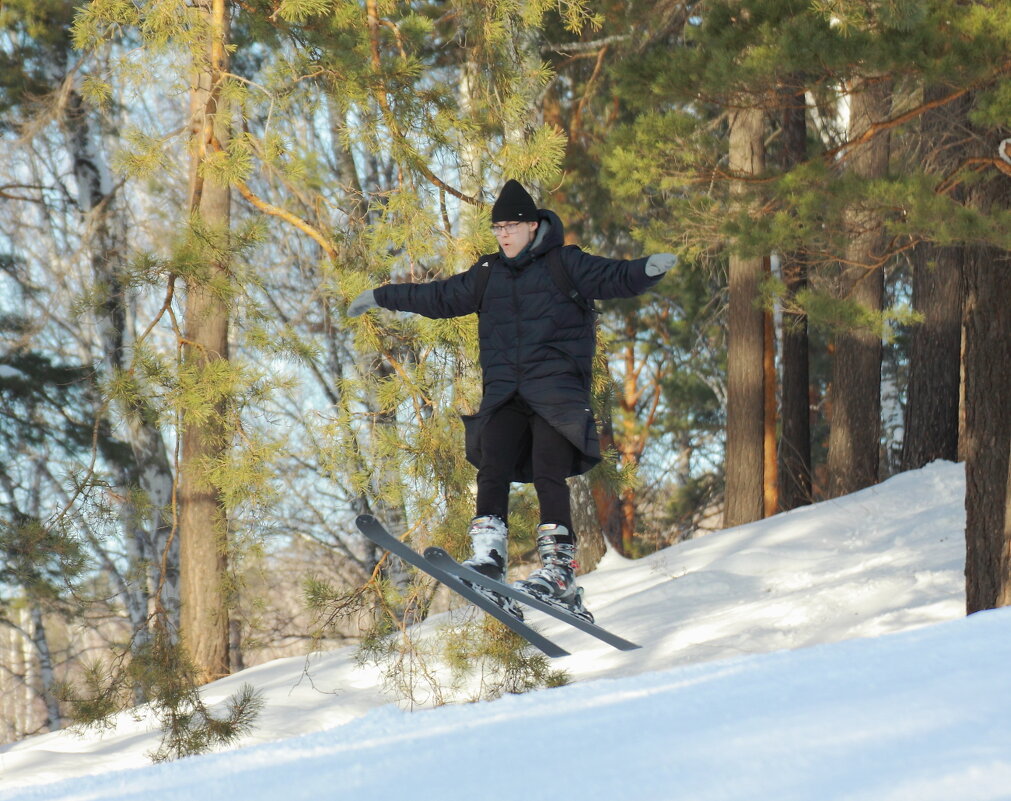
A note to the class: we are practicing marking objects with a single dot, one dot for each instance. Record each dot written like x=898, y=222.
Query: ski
x=442, y=560
x=377, y=533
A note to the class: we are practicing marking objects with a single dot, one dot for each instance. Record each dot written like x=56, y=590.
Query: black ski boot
x=555, y=581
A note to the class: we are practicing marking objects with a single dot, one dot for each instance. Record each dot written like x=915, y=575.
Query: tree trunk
x=153, y=552
x=932, y=408
x=856, y=369
x=795, y=438
x=987, y=428
x=629, y=445
x=770, y=468
x=1004, y=595
x=203, y=521
x=605, y=499
x=47, y=677
x=745, y=346
x=931, y=420
x=589, y=536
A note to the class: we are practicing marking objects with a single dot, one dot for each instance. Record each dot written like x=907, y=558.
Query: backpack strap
x=482, y=272
x=564, y=282
x=559, y=274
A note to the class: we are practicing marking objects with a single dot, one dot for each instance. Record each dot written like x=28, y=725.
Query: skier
x=537, y=338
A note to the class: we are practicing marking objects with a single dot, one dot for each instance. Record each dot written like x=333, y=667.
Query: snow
x=820, y=654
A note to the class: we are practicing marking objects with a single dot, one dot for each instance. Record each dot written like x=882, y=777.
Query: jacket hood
x=550, y=235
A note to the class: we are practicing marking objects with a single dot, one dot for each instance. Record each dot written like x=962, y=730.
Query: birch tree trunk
x=47, y=677
x=152, y=551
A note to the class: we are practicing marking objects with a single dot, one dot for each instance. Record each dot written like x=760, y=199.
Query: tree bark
x=795, y=438
x=605, y=499
x=856, y=368
x=590, y=537
x=770, y=467
x=746, y=337
x=987, y=428
x=1004, y=594
x=203, y=521
x=47, y=676
x=932, y=408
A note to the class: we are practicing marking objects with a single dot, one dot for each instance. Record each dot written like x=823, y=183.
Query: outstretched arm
x=597, y=277
x=448, y=297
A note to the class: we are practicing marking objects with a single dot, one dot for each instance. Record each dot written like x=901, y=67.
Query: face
x=514, y=236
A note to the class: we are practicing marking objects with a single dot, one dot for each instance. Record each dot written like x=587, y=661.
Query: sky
x=819, y=654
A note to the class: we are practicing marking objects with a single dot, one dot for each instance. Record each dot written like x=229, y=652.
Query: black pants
x=511, y=429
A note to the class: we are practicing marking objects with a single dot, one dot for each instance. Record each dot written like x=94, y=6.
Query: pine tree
x=745, y=339
x=642, y=362
x=795, y=444
x=207, y=435
x=200, y=517
x=852, y=51
x=856, y=363
x=987, y=322
x=932, y=409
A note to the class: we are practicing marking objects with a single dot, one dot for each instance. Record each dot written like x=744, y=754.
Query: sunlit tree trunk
x=203, y=524
x=584, y=518
x=746, y=343
x=606, y=500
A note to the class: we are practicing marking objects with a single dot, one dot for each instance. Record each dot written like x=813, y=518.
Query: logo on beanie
x=514, y=203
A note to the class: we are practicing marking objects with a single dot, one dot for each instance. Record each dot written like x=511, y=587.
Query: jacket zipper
x=519, y=341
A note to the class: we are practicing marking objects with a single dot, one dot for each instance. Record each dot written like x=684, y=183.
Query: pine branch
x=886, y=125
x=374, y=22
x=293, y=219
x=584, y=47
x=577, y=115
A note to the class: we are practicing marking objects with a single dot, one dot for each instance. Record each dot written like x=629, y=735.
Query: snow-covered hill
x=821, y=654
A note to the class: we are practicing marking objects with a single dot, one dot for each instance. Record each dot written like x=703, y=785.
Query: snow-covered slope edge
x=888, y=559
x=919, y=715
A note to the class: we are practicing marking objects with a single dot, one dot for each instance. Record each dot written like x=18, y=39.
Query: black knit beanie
x=514, y=204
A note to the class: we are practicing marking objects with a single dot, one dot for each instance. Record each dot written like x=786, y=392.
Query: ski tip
x=364, y=520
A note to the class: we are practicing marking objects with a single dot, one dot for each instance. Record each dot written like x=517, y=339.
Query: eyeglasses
x=505, y=228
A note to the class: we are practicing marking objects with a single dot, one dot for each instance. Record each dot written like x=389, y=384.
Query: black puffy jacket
x=534, y=341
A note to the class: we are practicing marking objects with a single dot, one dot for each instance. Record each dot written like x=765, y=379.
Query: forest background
x=193, y=191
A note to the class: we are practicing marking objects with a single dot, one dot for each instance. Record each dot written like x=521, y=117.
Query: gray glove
x=659, y=263
x=365, y=301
